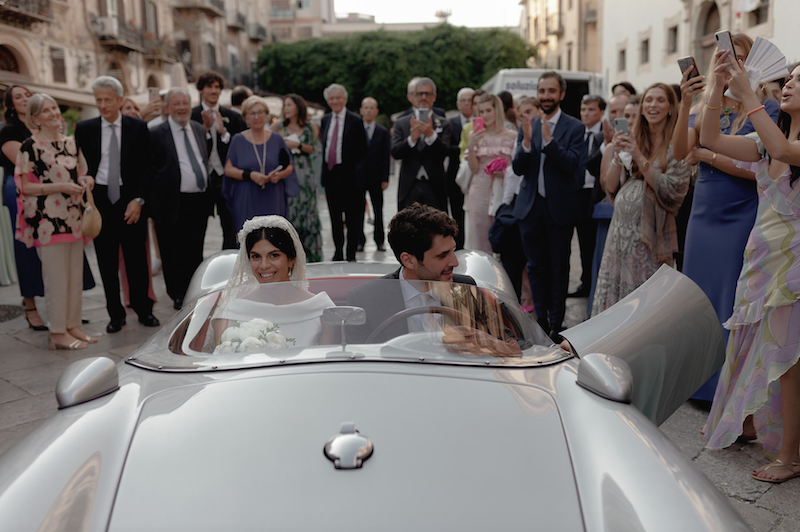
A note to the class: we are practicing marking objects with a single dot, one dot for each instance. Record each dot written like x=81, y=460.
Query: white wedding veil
x=242, y=273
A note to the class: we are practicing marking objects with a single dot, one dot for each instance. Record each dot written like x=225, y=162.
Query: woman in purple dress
x=259, y=173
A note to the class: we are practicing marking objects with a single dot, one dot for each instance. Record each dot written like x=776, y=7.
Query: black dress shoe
x=360, y=248
x=178, y=303
x=149, y=321
x=582, y=291
x=337, y=258
x=115, y=326
x=381, y=248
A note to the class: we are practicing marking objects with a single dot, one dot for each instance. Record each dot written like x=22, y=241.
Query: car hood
x=449, y=454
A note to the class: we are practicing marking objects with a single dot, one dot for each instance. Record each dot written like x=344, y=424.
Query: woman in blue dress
x=725, y=200
x=259, y=174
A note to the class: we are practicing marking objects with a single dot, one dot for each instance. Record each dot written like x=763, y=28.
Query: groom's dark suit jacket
x=382, y=299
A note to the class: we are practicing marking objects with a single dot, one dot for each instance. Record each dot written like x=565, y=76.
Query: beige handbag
x=91, y=222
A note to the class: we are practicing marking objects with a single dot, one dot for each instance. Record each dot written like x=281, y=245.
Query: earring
x=291, y=269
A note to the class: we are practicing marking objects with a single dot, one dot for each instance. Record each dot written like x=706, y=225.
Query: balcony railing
x=281, y=13
x=236, y=20
x=213, y=8
x=257, y=32
x=25, y=13
x=156, y=49
x=554, y=24
x=117, y=35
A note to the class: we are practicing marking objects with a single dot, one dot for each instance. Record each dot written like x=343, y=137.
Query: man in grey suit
x=181, y=203
x=421, y=141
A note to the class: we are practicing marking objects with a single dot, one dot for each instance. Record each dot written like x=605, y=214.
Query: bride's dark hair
x=276, y=236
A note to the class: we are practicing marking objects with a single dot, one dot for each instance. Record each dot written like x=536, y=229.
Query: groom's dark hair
x=413, y=228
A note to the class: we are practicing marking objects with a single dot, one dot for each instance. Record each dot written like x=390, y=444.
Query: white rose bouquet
x=253, y=335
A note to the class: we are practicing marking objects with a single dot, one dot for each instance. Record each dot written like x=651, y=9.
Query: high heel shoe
x=77, y=344
x=32, y=326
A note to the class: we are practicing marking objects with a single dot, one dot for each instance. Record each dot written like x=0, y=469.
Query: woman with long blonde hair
x=486, y=145
x=725, y=198
x=643, y=233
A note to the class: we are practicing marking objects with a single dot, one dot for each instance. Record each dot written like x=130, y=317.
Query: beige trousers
x=62, y=272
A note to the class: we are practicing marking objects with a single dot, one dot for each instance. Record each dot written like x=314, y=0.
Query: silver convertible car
x=454, y=415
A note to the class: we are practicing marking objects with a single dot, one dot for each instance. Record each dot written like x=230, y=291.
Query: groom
x=423, y=240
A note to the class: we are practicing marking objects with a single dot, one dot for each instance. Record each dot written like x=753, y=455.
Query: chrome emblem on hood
x=348, y=449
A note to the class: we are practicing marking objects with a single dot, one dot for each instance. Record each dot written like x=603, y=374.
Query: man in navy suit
x=373, y=170
x=552, y=161
x=117, y=152
x=344, y=143
x=592, y=109
x=181, y=200
x=455, y=197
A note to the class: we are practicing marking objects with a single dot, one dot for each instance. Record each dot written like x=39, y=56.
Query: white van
x=522, y=82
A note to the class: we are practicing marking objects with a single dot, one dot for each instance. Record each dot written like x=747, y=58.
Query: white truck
x=522, y=82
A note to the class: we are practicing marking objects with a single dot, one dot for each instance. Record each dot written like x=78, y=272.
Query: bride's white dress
x=300, y=320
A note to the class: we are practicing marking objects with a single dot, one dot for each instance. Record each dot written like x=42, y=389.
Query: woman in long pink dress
x=485, y=145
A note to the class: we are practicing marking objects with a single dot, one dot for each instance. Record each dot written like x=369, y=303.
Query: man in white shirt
x=344, y=144
x=117, y=152
x=181, y=202
x=221, y=124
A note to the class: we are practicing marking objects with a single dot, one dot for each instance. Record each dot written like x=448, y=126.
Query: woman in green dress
x=300, y=137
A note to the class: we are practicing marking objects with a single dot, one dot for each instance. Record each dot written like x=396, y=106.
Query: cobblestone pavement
x=28, y=374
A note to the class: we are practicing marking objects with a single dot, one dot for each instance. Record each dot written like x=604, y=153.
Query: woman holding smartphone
x=725, y=198
x=759, y=386
x=485, y=145
x=643, y=233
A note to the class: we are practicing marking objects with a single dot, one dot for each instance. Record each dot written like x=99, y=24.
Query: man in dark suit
x=423, y=240
x=552, y=160
x=181, y=202
x=117, y=152
x=455, y=197
x=592, y=109
x=422, y=142
x=221, y=124
x=344, y=143
x=373, y=170
x=412, y=99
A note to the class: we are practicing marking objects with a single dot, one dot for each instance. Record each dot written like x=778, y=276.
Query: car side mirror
x=344, y=316
x=85, y=380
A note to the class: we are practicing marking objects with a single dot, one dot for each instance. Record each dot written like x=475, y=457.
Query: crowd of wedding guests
x=699, y=175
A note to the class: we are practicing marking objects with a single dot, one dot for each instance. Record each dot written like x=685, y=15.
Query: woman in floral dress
x=485, y=194
x=758, y=392
x=300, y=137
x=50, y=178
x=643, y=231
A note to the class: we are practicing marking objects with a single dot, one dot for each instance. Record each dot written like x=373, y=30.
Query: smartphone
x=477, y=123
x=152, y=93
x=725, y=42
x=621, y=124
x=687, y=62
x=423, y=114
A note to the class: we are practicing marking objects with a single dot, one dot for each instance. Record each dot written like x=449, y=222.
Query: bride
x=271, y=252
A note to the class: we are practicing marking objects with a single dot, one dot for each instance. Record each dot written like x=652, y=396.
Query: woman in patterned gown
x=643, y=233
x=484, y=146
x=300, y=136
x=758, y=392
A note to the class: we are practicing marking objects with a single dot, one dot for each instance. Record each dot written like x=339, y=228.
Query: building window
x=759, y=14
x=672, y=40
x=150, y=18
x=305, y=32
x=8, y=61
x=569, y=56
x=282, y=33
x=536, y=29
x=59, y=68
x=211, y=50
x=558, y=63
x=303, y=4
x=621, y=60
x=644, y=52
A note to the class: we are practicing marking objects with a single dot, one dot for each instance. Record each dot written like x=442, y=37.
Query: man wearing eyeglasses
x=421, y=140
x=221, y=125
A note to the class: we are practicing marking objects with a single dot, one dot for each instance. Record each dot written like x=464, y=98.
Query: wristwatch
x=140, y=201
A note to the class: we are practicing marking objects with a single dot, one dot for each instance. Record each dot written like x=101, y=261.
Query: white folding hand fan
x=764, y=63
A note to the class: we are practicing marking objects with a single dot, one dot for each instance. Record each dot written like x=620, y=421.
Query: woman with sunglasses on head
x=758, y=392
x=725, y=198
x=259, y=174
x=13, y=134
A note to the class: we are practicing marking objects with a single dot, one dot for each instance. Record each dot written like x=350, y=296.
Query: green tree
x=380, y=64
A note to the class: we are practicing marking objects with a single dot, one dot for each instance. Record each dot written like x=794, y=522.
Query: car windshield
x=352, y=319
